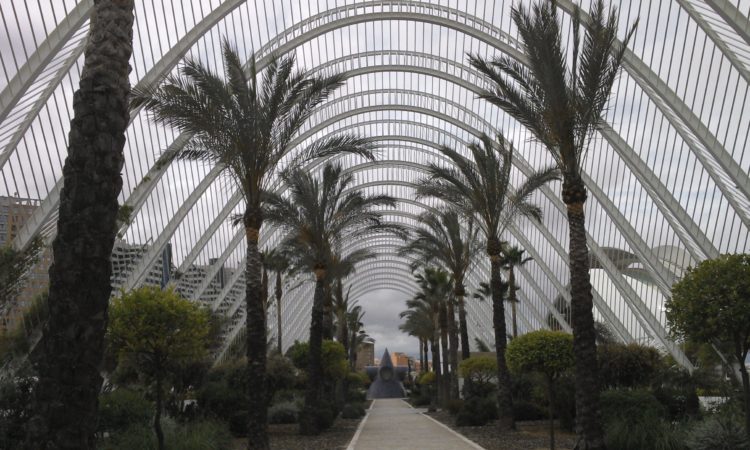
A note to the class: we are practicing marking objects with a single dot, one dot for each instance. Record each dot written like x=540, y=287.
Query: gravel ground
x=532, y=435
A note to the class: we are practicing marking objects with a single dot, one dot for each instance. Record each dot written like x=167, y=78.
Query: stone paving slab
x=392, y=424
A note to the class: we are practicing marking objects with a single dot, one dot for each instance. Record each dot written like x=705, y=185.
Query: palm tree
x=277, y=262
x=317, y=217
x=562, y=106
x=246, y=126
x=70, y=353
x=357, y=334
x=512, y=258
x=419, y=326
x=481, y=189
x=441, y=239
x=435, y=290
x=340, y=267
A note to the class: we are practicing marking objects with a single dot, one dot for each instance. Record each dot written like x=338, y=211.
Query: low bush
x=642, y=433
x=123, y=408
x=15, y=411
x=477, y=411
x=286, y=412
x=220, y=400
x=628, y=365
x=523, y=410
x=454, y=405
x=238, y=423
x=356, y=395
x=725, y=433
x=353, y=411
x=629, y=404
x=201, y=435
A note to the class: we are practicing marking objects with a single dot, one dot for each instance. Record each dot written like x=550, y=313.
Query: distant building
x=366, y=354
x=399, y=359
x=14, y=212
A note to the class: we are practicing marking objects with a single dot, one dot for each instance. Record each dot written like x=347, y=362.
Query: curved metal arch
x=733, y=17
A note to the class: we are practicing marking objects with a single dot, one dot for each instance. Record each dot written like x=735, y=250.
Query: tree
x=357, y=334
x=340, y=267
x=441, y=240
x=512, y=258
x=277, y=262
x=157, y=331
x=481, y=189
x=420, y=326
x=70, y=353
x=712, y=303
x=547, y=352
x=562, y=107
x=317, y=218
x=246, y=126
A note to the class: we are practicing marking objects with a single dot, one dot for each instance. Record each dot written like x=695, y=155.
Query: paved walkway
x=392, y=424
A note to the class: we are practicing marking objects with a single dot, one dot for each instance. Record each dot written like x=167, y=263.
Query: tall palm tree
x=562, y=106
x=340, y=267
x=341, y=308
x=512, y=258
x=481, y=189
x=70, y=353
x=419, y=326
x=246, y=125
x=441, y=239
x=277, y=262
x=317, y=217
x=357, y=334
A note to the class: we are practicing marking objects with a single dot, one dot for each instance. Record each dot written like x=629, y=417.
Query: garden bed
x=531, y=435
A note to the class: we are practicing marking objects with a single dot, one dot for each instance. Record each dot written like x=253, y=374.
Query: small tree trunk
x=444, y=351
x=308, y=424
x=257, y=428
x=582, y=320
x=434, y=390
x=453, y=340
x=426, y=367
x=278, y=311
x=513, y=300
x=157, y=416
x=504, y=399
x=327, y=312
x=551, y=397
x=465, y=347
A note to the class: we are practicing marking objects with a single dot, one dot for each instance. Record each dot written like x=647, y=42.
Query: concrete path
x=392, y=424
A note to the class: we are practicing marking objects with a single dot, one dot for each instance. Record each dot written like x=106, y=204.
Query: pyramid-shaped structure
x=386, y=384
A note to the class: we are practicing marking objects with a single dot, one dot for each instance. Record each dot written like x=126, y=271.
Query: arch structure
x=667, y=173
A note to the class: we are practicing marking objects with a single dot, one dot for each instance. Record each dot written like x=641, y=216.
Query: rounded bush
x=629, y=405
x=353, y=411
x=724, y=433
x=477, y=412
x=523, y=410
x=123, y=408
x=286, y=412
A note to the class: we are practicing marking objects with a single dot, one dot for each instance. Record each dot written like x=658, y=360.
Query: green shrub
x=524, y=410
x=629, y=405
x=628, y=365
x=642, y=433
x=357, y=395
x=477, y=411
x=286, y=412
x=325, y=416
x=202, y=435
x=725, y=433
x=353, y=411
x=427, y=378
x=123, y=408
x=238, y=423
x=15, y=411
x=454, y=405
x=218, y=399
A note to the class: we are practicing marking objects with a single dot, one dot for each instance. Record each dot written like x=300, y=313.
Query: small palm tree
x=512, y=258
x=357, y=335
x=562, y=106
x=441, y=239
x=246, y=126
x=481, y=189
x=318, y=216
x=277, y=262
x=340, y=267
x=419, y=326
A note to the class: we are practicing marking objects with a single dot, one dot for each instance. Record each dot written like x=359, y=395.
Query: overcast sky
x=381, y=322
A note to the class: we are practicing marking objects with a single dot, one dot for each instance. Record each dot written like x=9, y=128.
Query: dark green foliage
x=203, y=435
x=238, y=424
x=718, y=433
x=454, y=406
x=652, y=433
x=523, y=410
x=220, y=400
x=123, y=408
x=628, y=365
x=617, y=403
x=286, y=412
x=280, y=374
x=476, y=412
x=15, y=398
x=333, y=358
x=357, y=395
x=325, y=414
x=353, y=411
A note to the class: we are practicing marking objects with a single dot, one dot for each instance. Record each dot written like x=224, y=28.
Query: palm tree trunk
x=453, y=340
x=465, y=348
x=327, y=312
x=446, y=355
x=426, y=367
x=421, y=355
x=264, y=290
x=435, y=349
x=582, y=319
x=512, y=299
x=257, y=428
x=308, y=424
x=70, y=353
x=504, y=399
x=278, y=311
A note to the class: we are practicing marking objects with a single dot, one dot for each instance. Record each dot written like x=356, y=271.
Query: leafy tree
x=70, y=352
x=419, y=325
x=712, y=303
x=512, y=258
x=479, y=372
x=317, y=217
x=562, y=107
x=156, y=331
x=333, y=358
x=440, y=239
x=480, y=188
x=246, y=126
x=549, y=353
